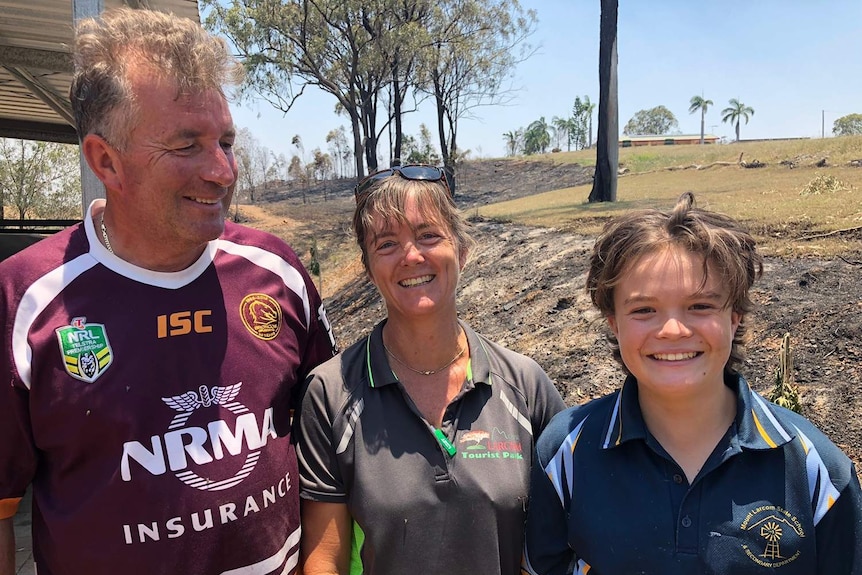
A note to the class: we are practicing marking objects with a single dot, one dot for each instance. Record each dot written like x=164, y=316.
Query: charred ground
x=524, y=288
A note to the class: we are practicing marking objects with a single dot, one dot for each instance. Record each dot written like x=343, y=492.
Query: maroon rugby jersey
x=150, y=410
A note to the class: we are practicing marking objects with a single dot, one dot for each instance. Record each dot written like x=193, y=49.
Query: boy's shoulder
x=588, y=420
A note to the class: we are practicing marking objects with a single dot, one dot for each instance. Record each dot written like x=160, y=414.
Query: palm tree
x=513, y=140
x=736, y=112
x=700, y=103
x=536, y=137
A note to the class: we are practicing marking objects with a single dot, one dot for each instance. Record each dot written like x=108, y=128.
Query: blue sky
x=793, y=61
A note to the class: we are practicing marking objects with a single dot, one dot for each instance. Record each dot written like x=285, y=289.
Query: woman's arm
x=326, y=538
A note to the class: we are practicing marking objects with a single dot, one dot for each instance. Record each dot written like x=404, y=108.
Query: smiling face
x=414, y=263
x=674, y=330
x=174, y=179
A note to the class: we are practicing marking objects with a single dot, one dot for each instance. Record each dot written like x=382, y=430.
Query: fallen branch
x=851, y=262
x=677, y=168
x=832, y=233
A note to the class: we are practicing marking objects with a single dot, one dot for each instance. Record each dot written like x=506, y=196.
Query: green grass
x=770, y=200
x=644, y=158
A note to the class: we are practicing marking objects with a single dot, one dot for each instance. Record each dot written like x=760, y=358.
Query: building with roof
x=666, y=140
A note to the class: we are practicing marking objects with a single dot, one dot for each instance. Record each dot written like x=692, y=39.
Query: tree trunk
x=607, y=145
x=702, y=124
x=397, y=105
x=358, y=149
x=370, y=136
x=448, y=167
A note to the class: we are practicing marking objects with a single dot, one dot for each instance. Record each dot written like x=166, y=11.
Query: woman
x=416, y=442
x=685, y=469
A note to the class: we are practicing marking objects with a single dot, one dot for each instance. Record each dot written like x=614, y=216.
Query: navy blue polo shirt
x=423, y=500
x=774, y=496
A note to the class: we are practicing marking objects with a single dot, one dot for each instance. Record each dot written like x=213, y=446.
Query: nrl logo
x=85, y=348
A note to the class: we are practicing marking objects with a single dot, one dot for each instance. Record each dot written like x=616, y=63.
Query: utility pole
x=823, y=123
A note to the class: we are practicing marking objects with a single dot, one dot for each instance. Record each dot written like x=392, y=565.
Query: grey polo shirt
x=423, y=503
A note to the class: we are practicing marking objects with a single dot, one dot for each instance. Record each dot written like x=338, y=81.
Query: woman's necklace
x=425, y=371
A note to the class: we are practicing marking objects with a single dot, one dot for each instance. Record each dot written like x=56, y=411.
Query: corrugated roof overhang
x=36, y=65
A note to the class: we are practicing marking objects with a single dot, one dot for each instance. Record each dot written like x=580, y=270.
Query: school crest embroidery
x=85, y=348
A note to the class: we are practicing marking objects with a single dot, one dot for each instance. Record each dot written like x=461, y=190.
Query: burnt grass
x=524, y=288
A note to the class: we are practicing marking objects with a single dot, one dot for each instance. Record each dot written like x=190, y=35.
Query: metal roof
x=36, y=64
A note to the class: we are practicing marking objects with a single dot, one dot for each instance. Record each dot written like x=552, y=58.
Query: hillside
x=524, y=288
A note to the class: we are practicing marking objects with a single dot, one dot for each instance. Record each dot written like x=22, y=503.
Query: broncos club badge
x=85, y=348
x=261, y=315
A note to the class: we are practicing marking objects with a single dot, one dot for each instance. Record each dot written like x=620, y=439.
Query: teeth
x=416, y=281
x=674, y=356
x=204, y=201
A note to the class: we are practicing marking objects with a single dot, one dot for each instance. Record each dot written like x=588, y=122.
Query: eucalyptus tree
x=254, y=162
x=655, y=121
x=736, y=112
x=39, y=179
x=607, y=145
x=702, y=104
x=402, y=46
x=337, y=141
x=475, y=46
x=849, y=125
x=335, y=45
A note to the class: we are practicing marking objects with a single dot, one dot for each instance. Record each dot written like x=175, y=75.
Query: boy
x=685, y=470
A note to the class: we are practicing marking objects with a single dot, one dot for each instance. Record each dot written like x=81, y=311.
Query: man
x=150, y=353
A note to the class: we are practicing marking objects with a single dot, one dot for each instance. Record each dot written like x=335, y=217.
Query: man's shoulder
x=246, y=236
x=345, y=370
x=240, y=232
x=46, y=254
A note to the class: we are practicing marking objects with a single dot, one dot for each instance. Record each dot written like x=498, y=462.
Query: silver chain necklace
x=105, y=234
x=425, y=371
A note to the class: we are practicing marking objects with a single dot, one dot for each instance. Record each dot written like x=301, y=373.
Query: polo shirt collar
x=379, y=371
x=756, y=427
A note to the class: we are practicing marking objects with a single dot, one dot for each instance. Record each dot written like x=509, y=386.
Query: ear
x=735, y=320
x=104, y=160
x=612, y=323
x=462, y=258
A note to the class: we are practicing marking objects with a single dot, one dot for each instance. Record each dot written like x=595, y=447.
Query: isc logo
x=184, y=322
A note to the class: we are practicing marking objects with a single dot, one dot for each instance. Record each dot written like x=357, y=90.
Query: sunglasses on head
x=417, y=173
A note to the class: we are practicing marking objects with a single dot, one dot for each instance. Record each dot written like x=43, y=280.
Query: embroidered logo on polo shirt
x=774, y=535
x=495, y=444
x=261, y=315
x=85, y=348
